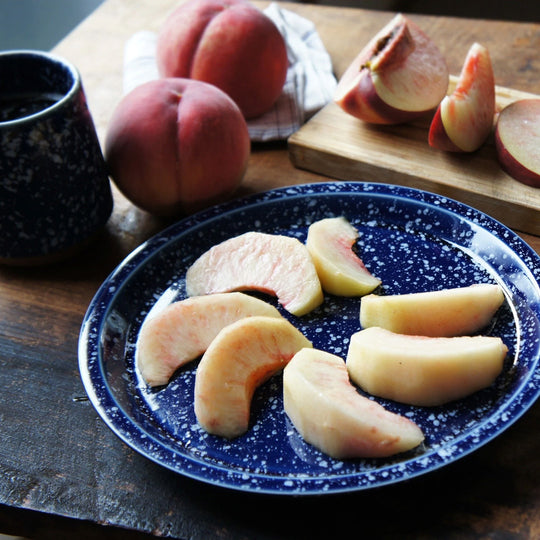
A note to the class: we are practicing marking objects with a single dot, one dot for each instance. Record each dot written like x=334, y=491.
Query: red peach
x=177, y=145
x=230, y=44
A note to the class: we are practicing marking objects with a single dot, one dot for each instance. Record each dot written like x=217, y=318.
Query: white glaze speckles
x=411, y=240
x=54, y=188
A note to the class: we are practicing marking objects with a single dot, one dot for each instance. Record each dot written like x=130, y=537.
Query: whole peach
x=176, y=145
x=230, y=44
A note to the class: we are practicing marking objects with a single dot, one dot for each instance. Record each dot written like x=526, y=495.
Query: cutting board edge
x=512, y=215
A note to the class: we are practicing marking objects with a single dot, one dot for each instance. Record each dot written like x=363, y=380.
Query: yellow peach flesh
x=330, y=414
x=341, y=271
x=444, y=313
x=420, y=370
x=241, y=357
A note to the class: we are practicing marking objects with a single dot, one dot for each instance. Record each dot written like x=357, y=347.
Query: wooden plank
x=336, y=144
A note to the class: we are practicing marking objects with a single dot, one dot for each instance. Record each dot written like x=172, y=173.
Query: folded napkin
x=309, y=85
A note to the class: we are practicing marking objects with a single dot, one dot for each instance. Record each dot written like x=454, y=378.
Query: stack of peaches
x=180, y=143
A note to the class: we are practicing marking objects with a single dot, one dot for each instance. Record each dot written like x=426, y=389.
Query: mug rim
x=67, y=96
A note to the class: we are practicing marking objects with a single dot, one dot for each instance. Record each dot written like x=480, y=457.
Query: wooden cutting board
x=338, y=145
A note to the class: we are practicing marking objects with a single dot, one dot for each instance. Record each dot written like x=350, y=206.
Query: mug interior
x=32, y=82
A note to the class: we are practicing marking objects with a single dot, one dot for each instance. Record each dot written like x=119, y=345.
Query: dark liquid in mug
x=21, y=105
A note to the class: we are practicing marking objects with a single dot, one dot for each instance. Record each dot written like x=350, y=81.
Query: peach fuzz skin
x=176, y=145
x=230, y=44
x=517, y=138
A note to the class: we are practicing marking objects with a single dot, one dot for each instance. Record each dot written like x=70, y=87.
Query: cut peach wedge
x=271, y=263
x=423, y=371
x=398, y=76
x=444, y=313
x=517, y=140
x=183, y=330
x=464, y=119
x=242, y=356
x=330, y=242
x=330, y=414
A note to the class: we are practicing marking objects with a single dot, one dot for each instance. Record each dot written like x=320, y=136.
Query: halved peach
x=241, y=357
x=271, y=263
x=398, y=76
x=330, y=414
x=447, y=312
x=341, y=271
x=183, y=330
x=424, y=371
x=464, y=119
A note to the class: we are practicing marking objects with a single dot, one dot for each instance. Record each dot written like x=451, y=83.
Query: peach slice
x=464, y=119
x=271, y=263
x=398, y=76
x=183, y=330
x=443, y=313
x=341, y=271
x=240, y=358
x=517, y=139
x=330, y=414
x=423, y=371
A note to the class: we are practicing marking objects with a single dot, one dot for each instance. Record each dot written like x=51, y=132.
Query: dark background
x=41, y=24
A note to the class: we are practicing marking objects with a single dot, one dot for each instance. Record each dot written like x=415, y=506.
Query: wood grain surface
x=64, y=474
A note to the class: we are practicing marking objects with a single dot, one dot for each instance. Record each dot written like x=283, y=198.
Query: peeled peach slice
x=270, y=263
x=330, y=414
x=424, y=371
x=183, y=331
x=517, y=139
x=444, y=313
x=464, y=119
x=398, y=76
x=341, y=271
x=240, y=358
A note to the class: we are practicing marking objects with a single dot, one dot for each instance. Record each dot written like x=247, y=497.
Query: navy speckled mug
x=54, y=189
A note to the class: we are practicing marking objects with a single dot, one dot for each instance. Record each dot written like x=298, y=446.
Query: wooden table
x=64, y=474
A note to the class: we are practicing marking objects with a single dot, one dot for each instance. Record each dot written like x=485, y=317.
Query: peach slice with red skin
x=330, y=242
x=330, y=414
x=443, y=313
x=517, y=139
x=183, y=330
x=464, y=119
x=398, y=76
x=271, y=263
x=241, y=357
x=420, y=370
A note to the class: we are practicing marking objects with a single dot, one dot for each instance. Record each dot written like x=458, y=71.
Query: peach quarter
x=398, y=76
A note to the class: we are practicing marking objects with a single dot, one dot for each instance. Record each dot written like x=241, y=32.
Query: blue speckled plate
x=412, y=240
